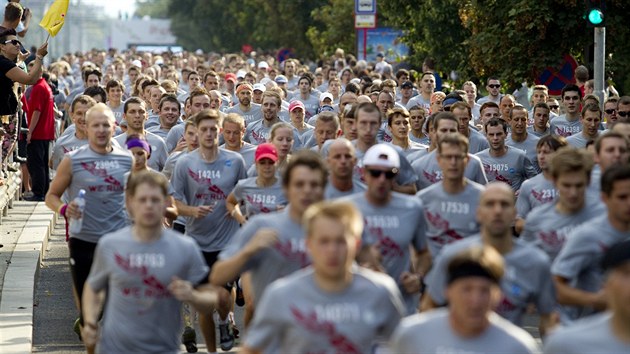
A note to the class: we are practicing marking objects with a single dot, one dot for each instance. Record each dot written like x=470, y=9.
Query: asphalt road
x=55, y=311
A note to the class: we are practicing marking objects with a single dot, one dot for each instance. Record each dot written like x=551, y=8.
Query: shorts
x=81, y=257
x=211, y=258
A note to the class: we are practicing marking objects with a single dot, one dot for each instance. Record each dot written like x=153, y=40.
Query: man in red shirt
x=41, y=130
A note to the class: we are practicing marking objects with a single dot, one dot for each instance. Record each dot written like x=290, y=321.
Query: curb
x=16, y=305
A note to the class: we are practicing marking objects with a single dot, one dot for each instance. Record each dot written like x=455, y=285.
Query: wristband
x=62, y=209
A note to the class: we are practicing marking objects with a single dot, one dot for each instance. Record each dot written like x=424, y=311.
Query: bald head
x=496, y=211
x=341, y=159
x=364, y=98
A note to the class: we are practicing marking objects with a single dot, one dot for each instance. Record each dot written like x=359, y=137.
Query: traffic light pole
x=599, y=62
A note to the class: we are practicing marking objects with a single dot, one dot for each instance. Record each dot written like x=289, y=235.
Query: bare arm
x=204, y=299
x=59, y=185
x=27, y=21
x=547, y=323
x=194, y=211
x=248, y=350
x=171, y=212
x=32, y=124
x=18, y=75
x=519, y=225
x=91, y=306
x=406, y=189
x=568, y=295
x=233, y=208
x=227, y=270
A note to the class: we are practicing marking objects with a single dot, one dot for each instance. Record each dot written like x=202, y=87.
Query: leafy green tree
x=333, y=28
x=152, y=8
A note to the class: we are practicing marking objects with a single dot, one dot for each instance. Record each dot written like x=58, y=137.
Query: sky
x=114, y=6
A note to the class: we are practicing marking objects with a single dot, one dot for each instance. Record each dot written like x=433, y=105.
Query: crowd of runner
x=349, y=207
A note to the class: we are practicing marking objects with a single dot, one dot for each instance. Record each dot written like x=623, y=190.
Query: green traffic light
x=595, y=16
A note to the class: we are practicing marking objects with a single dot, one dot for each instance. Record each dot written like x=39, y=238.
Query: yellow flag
x=55, y=17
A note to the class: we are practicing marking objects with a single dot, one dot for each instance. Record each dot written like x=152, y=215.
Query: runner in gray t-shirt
x=527, y=278
x=250, y=111
x=271, y=246
x=98, y=168
x=577, y=272
x=548, y=226
x=348, y=313
x=432, y=332
x=501, y=162
x=394, y=223
x=341, y=161
x=450, y=205
x=145, y=272
x=469, y=325
x=202, y=180
x=519, y=137
x=569, y=123
x=539, y=190
x=602, y=333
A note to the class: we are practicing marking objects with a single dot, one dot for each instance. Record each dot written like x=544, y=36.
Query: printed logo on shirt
x=494, y=174
x=448, y=235
x=260, y=137
x=151, y=286
x=204, y=178
x=386, y=245
x=259, y=201
x=567, y=131
x=544, y=196
x=112, y=184
x=293, y=250
x=433, y=177
x=67, y=149
x=313, y=324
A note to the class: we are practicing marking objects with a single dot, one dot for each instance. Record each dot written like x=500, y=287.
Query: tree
x=152, y=8
x=513, y=39
x=333, y=28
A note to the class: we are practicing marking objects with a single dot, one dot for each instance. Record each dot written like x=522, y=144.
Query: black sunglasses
x=610, y=111
x=554, y=107
x=388, y=174
x=494, y=86
x=15, y=42
x=623, y=113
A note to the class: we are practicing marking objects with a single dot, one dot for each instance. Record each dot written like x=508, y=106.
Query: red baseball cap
x=266, y=151
x=296, y=104
x=230, y=76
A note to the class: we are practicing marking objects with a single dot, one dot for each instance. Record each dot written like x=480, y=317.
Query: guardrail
x=10, y=191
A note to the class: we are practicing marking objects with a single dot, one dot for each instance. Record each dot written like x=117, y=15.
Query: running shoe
x=226, y=336
x=189, y=339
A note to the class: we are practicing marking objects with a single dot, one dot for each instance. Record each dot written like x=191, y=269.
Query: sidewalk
x=24, y=234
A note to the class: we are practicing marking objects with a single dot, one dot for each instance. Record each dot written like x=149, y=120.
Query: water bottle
x=77, y=224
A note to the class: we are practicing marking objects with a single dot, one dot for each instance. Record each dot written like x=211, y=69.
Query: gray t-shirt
x=141, y=313
x=530, y=130
x=333, y=193
x=259, y=200
x=197, y=182
x=296, y=316
x=159, y=131
x=547, y=228
x=534, y=192
x=562, y=127
x=430, y=173
x=258, y=133
x=118, y=111
x=580, y=258
x=393, y=229
x=254, y=113
x=311, y=104
x=247, y=151
x=423, y=141
x=102, y=176
x=591, y=335
x=527, y=279
x=512, y=168
x=419, y=101
x=476, y=142
x=283, y=258
x=431, y=332
x=529, y=146
x=578, y=141
x=173, y=136
x=159, y=154
x=64, y=146
x=450, y=217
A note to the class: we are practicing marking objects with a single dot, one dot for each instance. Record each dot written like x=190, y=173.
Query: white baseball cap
x=260, y=87
x=382, y=155
x=325, y=95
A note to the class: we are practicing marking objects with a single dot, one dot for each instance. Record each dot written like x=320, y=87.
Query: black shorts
x=211, y=258
x=81, y=257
